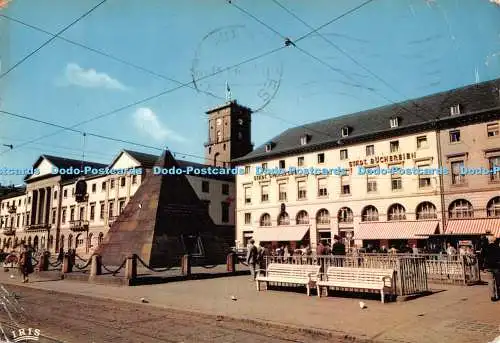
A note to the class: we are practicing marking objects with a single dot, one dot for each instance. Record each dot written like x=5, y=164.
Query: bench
x=358, y=278
x=299, y=274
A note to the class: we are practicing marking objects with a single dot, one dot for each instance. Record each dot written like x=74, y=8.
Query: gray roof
x=411, y=113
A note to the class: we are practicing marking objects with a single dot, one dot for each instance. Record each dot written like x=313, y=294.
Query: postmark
x=254, y=84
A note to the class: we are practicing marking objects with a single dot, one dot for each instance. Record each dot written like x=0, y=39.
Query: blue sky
x=418, y=46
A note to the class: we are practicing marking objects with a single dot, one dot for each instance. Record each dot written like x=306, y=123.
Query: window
x=345, y=187
x=394, y=146
x=247, y=170
x=121, y=206
x=492, y=130
x=219, y=136
x=494, y=163
x=63, y=217
x=240, y=122
x=396, y=182
x=101, y=211
x=72, y=191
x=454, y=110
x=134, y=179
x=322, y=187
x=54, y=216
x=55, y=195
x=300, y=161
x=455, y=136
x=493, y=207
x=424, y=179
x=122, y=181
x=225, y=189
x=103, y=186
x=461, y=209
x=65, y=193
x=369, y=214
x=345, y=215
x=82, y=213
x=396, y=212
x=92, y=212
x=370, y=150
x=426, y=210
x=110, y=211
x=248, y=195
x=29, y=200
x=302, y=190
x=240, y=136
x=268, y=147
x=112, y=184
x=28, y=218
x=345, y=132
x=72, y=214
x=218, y=121
x=248, y=218
x=343, y=154
x=321, y=158
x=282, y=191
x=94, y=188
x=265, y=220
x=371, y=185
x=205, y=186
x=422, y=142
x=394, y=122
x=264, y=166
x=323, y=217
x=284, y=219
x=264, y=196
x=302, y=218
x=456, y=176
x=304, y=140
x=282, y=164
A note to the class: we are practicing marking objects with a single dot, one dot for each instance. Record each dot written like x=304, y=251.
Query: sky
x=126, y=68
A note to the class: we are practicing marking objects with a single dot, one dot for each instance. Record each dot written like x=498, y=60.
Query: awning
x=396, y=230
x=478, y=226
x=280, y=233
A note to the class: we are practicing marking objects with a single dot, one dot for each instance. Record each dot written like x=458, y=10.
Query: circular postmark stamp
x=217, y=68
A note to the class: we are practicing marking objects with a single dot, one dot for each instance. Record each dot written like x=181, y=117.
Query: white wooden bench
x=359, y=278
x=298, y=274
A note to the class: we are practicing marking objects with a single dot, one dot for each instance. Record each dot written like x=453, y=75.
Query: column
x=41, y=206
x=47, y=204
x=34, y=208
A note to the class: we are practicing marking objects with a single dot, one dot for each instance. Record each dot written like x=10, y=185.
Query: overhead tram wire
x=107, y=55
x=87, y=133
x=192, y=81
x=25, y=58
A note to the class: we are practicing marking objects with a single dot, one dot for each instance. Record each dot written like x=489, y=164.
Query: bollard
x=131, y=268
x=43, y=264
x=231, y=262
x=186, y=265
x=67, y=266
x=96, y=266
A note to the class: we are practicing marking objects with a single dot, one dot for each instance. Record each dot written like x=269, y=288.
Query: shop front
x=293, y=236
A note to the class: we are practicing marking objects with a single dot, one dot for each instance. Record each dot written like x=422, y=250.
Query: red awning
x=478, y=226
x=396, y=230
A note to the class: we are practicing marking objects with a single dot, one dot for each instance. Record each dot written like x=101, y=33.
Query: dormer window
x=394, y=122
x=454, y=110
x=304, y=139
x=269, y=147
x=345, y=131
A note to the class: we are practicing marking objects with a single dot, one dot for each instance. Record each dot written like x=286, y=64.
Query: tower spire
x=228, y=92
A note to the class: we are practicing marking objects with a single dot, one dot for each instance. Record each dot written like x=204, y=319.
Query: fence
x=411, y=272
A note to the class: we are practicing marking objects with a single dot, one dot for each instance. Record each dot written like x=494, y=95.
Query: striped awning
x=396, y=230
x=477, y=226
x=280, y=233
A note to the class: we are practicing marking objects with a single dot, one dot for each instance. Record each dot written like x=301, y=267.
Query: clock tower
x=229, y=134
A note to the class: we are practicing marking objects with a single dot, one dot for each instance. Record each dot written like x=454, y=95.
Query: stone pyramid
x=163, y=210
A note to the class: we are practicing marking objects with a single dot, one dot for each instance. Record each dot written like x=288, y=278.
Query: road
x=82, y=319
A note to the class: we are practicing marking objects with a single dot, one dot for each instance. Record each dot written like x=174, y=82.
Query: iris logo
x=25, y=335
x=4, y=3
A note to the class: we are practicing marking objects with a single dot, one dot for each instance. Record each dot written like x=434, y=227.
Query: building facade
x=388, y=177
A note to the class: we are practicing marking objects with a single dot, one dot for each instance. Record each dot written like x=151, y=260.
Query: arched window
x=51, y=242
x=345, y=215
x=100, y=238
x=396, y=212
x=426, y=210
x=265, y=220
x=89, y=241
x=70, y=242
x=369, y=214
x=461, y=208
x=284, y=219
x=493, y=207
x=323, y=216
x=78, y=241
x=302, y=218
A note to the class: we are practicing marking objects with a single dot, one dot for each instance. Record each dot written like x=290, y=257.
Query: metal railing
x=78, y=225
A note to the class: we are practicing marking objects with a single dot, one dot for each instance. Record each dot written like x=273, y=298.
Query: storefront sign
x=383, y=159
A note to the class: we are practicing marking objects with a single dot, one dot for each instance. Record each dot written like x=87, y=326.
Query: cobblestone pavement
x=82, y=319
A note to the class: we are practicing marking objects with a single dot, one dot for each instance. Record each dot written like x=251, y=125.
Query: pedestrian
x=25, y=263
x=450, y=250
x=263, y=256
x=252, y=258
x=492, y=264
x=60, y=256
